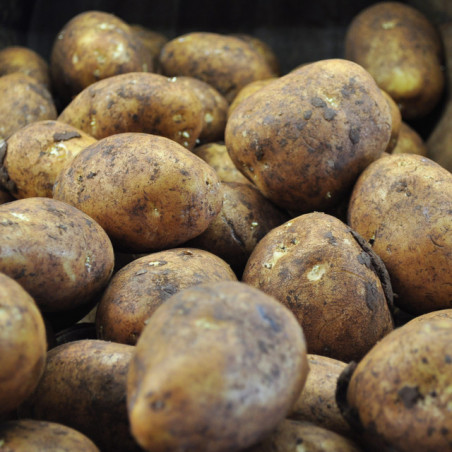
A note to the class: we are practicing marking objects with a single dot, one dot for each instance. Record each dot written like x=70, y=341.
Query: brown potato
x=37, y=153
x=303, y=139
x=215, y=369
x=23, y=100
x=153, y=41
x=441, y=314
x=409, y=142
x=401, y=206
x=36, y=436
x=245, y=217
x=399, y=394
x=84, y=387
x=139, y=288
x=25, y=60
x=335, y=285
x=402, y=50
x=92, y=46
x=225, y=62
x=23, y=345
x=60, y=255
x=396, y=121
x=138, y=102
x=147, y=192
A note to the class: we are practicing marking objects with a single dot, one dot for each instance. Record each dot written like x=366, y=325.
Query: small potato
x=28, y=435
x=138, y=102
x=225, y=62
x=139, y=288
x=23, y=345
x=153, y=41
x=37, y=153
x=23, y=100
x=60, y=255
x=25, y=60
x=147, y=192
x=215, y=369
x=409, y=142
x=396, y=121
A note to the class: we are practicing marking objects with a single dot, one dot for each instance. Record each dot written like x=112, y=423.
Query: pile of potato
x=199, y=253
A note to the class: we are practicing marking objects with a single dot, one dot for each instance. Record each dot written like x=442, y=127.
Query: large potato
x=215, y=369
x=147, y=192
x=60, y=255
x=138, y=102
x=304, y=139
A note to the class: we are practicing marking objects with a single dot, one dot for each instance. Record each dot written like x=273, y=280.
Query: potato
x=23, y=344
x=402, y=50
x=30, y=99
x=146, y=191
x=442, y=313
x=225, y=62
x=153, y=41
x=396, y=122
x=409, y=141
x=37, y=153
x=245, y=217
x=215, y=369
x=399, y=393
x=335, y=285
x=137, y=102
x=303, y=139
x=36, y=436
x=84, y=387
x=24, y=60
x=92, y=46
x=401, y=206
x=317, y=401
x=139, y=288
x=60, y=255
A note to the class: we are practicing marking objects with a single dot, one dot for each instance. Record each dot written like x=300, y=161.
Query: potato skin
x=401, y=205
x=409, y=142
x=35, y=436
x=60, y=255
x=110, y=181
x=303, y=139
x=225, y=62
x=84, y=387
x=139, y=288
x=215, y=369
x=137, y=102
x=23, y=344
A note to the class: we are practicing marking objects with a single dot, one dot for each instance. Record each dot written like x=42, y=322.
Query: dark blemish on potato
x=331, y=239
x=444, y=431
x=262, y=346
x=364, y=259
x=184, y=172
x=91, y=174
x=409, y=395
x=273, y=324
x=110, y=104
x=329, y=114
x=318, y=102
x=401, y=187
x=157, y=405
x=430, y=431
x=259, y=154
x=354, y=135
x=298, y=441
x=448, y=359
x=234, y=234
x=135, y=117
x=307, y=114
x=424, y=360
x=65, y=136
x=372, y=295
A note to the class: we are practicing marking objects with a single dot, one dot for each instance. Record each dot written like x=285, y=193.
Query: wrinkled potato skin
x=25, y=60
x=38, y=152
x=215, y=369
x=92, y=46
x=401, y=205
x=225, y=62
x=110, y=181
x=245, y=217
x=402, y=50
x=304, y=138
x=23, y=344
x=401, y=388
x=314, y=265
x=139, y=288
x=23, y=100
x=409, y=142
x=317, y=401
x=36, y=436
x=84, y=387
x=61, y=256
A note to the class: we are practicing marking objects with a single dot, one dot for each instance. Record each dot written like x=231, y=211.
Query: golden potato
x=409, y=141
x=215, y=369
x=303, y=139
x=139, y=288
x=402, y=50
x=23, y=344
x=60, y=255
x=147, y=192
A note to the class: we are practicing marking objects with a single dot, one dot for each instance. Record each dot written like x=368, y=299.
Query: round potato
x=215, y=369
x=147, y=192
x=303, y=139
x=139, y=288
x=23, y=345
x=409, y=142
x=60, y=255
